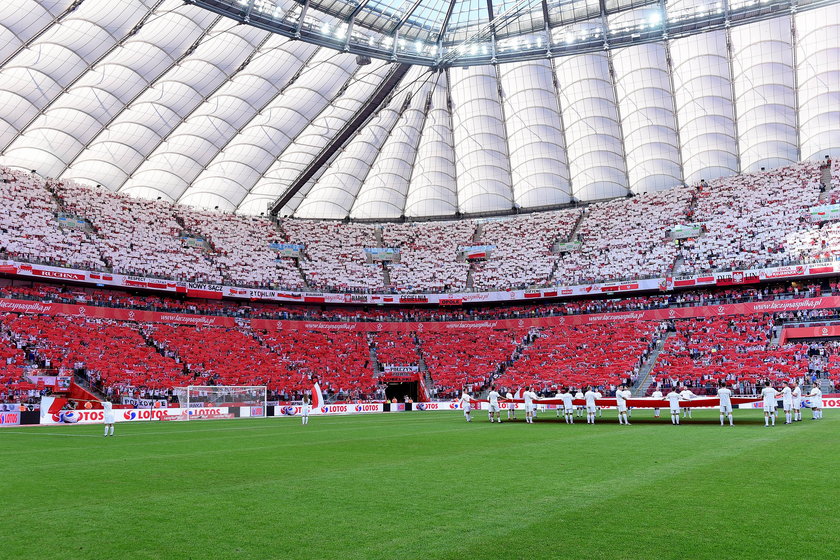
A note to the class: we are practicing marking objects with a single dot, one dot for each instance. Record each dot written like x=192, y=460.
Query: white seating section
x=137, y=236
x=335, y=257
x=428, y=255
x=754, y=221
x=29, y=229
x=749, y=221
x=523, y=255
x=626, y=238
x=241, y=248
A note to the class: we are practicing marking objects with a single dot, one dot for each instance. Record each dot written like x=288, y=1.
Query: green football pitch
x=423, y=485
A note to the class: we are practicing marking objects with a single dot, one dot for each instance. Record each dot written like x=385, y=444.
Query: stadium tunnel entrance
x=399, y=390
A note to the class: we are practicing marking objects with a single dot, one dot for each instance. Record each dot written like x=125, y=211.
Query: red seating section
x=603, y=355
x=735, y=349
x=397, y=349
x=466, y=357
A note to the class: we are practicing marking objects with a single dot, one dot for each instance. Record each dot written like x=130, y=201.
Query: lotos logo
x=288, y=410
x=453, y=405
x=10, y=418
x=367, y=408
x=205, y=412
x=146, y=414
x=428, y=406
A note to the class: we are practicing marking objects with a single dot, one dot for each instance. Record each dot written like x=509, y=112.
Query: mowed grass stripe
x=403, y=486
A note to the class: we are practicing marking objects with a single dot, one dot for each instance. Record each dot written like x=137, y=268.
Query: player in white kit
x=769, y=395
x=568, y=406
x=559, y=409
x=725, y=395
x=591, y=407
x=797, y=402
x=108, y=416
x=656, y=395
x=598, y=395
x=787, y=403
x=511, y=406
x=815, y=396
x=621, y=396
x=529, y=396
x=686, y=395
x=580, y=407
x=493, y=405
x=465, y=402
x=673, y=399
x=305, y=408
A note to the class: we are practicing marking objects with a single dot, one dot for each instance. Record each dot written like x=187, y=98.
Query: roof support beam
x=301, y=19
x=351, y=21
x=407, y=15
x=443, y=27
x=729, y=62
x=346, y=133
x=794, y=39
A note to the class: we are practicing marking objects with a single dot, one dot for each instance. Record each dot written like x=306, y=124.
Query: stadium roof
x=470, y=32
x=157, y=98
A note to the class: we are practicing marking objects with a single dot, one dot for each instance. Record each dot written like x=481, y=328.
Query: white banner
x=129, y=415
x=400, y=369
x=330, y=409
x=214, y=290
x=145, y=403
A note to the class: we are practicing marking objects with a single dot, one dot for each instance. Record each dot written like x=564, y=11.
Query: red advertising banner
x=810, y=332
x=774, y=306
x=24, y=306
x=59, y=275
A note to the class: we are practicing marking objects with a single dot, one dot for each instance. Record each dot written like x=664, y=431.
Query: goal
x=250, y=399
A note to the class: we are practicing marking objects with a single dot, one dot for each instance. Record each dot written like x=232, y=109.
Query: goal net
x=251, y=400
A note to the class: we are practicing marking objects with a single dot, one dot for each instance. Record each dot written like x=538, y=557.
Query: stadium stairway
x=479, y=231
x=374, y=359
x=426, y=381
x=90, y=231
x=645, y=379
x=302, y=275
x=84, y=390
x=470, y=279
x=776, y=335
x=386, y=275
x=571, y=237
x=523, y=345
x=825, y=178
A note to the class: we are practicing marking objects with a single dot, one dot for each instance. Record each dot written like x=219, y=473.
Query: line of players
x=791, y=395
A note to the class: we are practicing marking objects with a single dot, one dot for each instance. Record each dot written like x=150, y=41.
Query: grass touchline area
x=424, y=485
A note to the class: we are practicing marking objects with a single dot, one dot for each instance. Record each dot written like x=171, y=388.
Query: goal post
x=251, y=398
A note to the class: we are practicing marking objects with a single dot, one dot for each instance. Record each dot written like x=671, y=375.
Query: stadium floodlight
x=655, y=19
x=196, y=397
